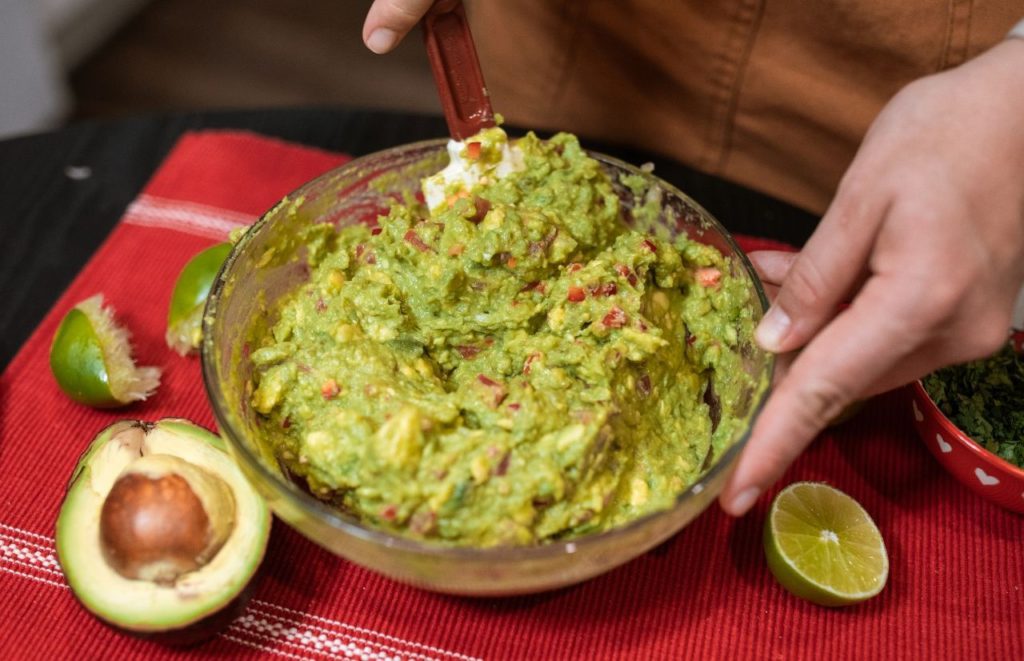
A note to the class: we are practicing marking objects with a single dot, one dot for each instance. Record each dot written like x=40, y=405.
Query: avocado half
x=160, y=533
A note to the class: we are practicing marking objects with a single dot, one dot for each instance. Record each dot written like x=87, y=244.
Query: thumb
x=388, y=21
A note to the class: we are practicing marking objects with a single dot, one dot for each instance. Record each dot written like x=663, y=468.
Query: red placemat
x=957, y=580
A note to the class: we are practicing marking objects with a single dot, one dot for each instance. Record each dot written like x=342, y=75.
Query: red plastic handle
x=460, y=83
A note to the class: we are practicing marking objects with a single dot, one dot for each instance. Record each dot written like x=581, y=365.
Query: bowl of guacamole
x=486, y=367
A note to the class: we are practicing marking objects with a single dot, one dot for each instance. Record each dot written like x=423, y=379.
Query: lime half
x=91, y=358
x=822, y=546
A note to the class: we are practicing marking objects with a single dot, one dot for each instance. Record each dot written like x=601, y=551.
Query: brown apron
x=772, y=94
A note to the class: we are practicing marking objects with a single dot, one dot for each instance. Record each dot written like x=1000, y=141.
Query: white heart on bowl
x=944, y=446
x=917, y=412
x=985, y=478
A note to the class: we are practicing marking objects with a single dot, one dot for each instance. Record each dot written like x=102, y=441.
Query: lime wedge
x=822, y=546
x=91, y=358
x=185, y=315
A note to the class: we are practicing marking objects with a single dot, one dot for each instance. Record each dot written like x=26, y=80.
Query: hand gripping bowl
x=268, y=263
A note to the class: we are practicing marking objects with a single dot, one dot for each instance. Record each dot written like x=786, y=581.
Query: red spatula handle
x=460, y=83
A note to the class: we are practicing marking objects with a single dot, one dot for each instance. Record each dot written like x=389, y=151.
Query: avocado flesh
x=144, y=606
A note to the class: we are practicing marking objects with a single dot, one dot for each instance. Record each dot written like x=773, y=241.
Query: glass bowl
x=269, y=261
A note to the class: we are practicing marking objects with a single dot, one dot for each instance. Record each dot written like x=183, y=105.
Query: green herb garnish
x=985, y=398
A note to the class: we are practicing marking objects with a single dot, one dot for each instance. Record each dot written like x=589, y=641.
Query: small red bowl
x=988, y=475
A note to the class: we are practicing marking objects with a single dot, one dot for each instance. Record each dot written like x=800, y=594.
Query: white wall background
x=40, y=42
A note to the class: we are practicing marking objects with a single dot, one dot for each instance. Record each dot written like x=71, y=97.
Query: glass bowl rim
x=306, y=503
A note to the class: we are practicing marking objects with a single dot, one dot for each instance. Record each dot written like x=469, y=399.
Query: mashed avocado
x=510, y=365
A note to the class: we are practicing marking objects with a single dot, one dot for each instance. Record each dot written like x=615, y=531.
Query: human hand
x=388, y=21
x=925, y=238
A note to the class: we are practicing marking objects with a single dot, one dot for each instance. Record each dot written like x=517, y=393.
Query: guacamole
x=502, y=360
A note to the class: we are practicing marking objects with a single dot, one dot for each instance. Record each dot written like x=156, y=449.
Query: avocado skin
x=199, y=631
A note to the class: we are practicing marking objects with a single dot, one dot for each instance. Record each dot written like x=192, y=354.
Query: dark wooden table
x=62, y=192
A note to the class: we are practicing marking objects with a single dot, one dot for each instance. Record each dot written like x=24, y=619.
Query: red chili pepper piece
x=497, y=392
x=529, y=361
x=416, y=242
x=649, y=245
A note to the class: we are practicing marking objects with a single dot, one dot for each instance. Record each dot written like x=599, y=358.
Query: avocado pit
x=163, y=518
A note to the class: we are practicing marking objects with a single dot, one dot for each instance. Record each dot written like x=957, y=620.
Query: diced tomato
x=511, y=262
x=573, y=267
x=615, y=318
x=626, y=273
x=376, y=230
x=468, y=351
x=389, y=512
x=708, y=276
x=329, y=389
x=576, y=294
x=473, y=150
x=455, y=197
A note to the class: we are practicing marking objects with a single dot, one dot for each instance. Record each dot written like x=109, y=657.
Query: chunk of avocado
x=160, y=533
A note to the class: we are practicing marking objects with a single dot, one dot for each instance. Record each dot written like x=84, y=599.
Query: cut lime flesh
x=91, y=359
x=822, y=546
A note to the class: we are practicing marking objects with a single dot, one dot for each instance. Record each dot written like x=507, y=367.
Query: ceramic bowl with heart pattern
x=980, y=470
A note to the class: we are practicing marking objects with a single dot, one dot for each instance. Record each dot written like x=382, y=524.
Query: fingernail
x=382, y=40
x=743, y=502
x=772, y=329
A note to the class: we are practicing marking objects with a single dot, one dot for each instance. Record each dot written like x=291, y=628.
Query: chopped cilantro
x=985, y=398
